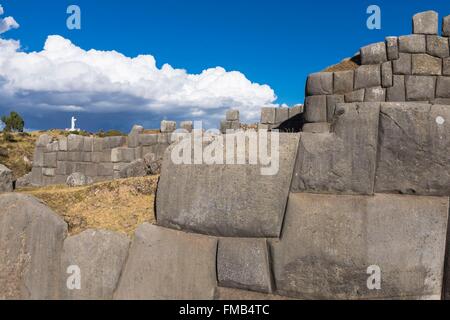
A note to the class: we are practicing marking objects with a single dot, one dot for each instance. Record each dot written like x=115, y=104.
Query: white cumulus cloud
x=66, y=77
x=7, y=23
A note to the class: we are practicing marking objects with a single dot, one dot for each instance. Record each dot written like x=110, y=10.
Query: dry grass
x=344, y=65
x=119, y=205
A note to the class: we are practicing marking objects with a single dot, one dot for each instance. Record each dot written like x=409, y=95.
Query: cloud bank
x=65, y=77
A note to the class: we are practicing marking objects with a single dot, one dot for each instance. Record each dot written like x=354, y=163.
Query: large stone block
x=403, y=64
x=374, y=53
x=368, y=76
x=414, y=148
x=316, y=109
x=296, y=110
x=75, y=142
x=122, y=155
x=355, y=96
x=232, y=115
x=268, y=115
x=437, y=46
x=105, y=169
x=244, y=264
x=6, y=179
x=88, y=144
x=330, y=241
x=216, y=199
x=43, y=140
x=38, y=157
x=36, y=176
x=424, y=64
x=320, y=83
x=420, y=88
x=318, y=127
x=397, y=92
x=392, y=48
x=133, y=136
x=414, y=43
x=100, y=257
x=281, y=114
x=375, y=94
x=425, y=22
x=343, y=161
x=446, y=26
x=148, y=139
x=167, y=264
x=387, y=75
x=343, y=81
x=31, y=241
x=168, y=126
x=50, y=160
x=446, y=67
x=188, y=125
x=114, y=142
x=332, y=102
x=443, y=87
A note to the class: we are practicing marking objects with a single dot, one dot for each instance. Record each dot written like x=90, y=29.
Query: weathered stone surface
x=88, y=144
x=6, y=179
x=36, y=176
x=387, y=75
x=320, y=83
x=133, y=136
x=188, y=125
x=443, y=87
x=343, y=81
x=397, y=91
x=414, y=43
x=113, y=142
x=355, y=96
x=237, y=294
x=216, y=199
x=31, y=240
x=437, y=46
x=50, y=160
x=168, y=126
x=329, y=242
x=425, y=22
x=318, y=127
x=392, y=48
x=75, y=142
x=332, y=101
x=48, y=172
x=153, y=163
x=43, y=140
x=375, y=94
x=446, y=67
x=403, y=64
x=374, y=53
x=167, y=264
x=281, y=114
x=424, y=64
x=122, y=154
x=316, y=109
x=268, y=115
x=343, y=161
x=24, y=181
x=232, y=115
x=446, y=26
x=367, y=76
x=244, y=264
x=420, y=88
x=148, y=139
x=105, y=169
x=78, y=179
x=414, y=148
x=136, y=168
x=100, y=256
x=295, y=110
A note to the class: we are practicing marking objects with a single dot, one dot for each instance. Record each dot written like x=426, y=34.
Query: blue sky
x=276, y=43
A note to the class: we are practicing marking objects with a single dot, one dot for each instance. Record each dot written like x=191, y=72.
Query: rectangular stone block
x=62, y=143
x=412, y=44
x=122, y=155
x=446, y=26
x=88, y=144
x=232, y=115
x=281, y=114
x=332, y=101
x=367, y=76
x=53, y=147
x=320, y=83
x=420, y=88
x=106, y=156
x=316, y=109
x=148, y=139
x=355, y=96
x=295, y=111
x=343, y=81
x=97, y=157
x=75, y=143
x=80, y=167
x=331, y=242
x=414, y=149
x=268, y=115
x=387, y=75
x=50, y=160
x=425, y=22
x=36, y=176
x=114, y=142
x=403, y=64
x=105, y=169
x=74, y=156
x=397, y=92
x=91, y=170
x=392, y=48
x=318, y=127
x=438, y=46
x=188, y=125
x=424, y=64
x=244, y=264
x=188, y=272
x=374, y=53
x=446, y=67
x=61, y=168
x=38, y=157
x=443, y=87
x=86, y=156
x=343, y=161
x=61, y=156
x=208, y=198
x=168, y=126
x=375, y=94
x=97, y=144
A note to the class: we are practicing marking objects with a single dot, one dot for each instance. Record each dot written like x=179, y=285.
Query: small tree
x=13, y=122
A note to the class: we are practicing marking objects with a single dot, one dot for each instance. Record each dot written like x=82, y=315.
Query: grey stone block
x=50, y=160
x=414, y=43
x=318, y=127
x=168, y=126
x=61, y=156
x=114, y=142
x=403, y=64
x=268, y=115
x=232, y=115
x=52, y=147
x=330, y=241
x=343, y=81
x=375, y=94
x=332, y=101
x=244, y=264
x=420, y=88
x=367, y=76
x=343, y=161
x=441, y=101
x=387, y=75
x=446, y=67
x=38, y=157
x=437, y=46
x=316, y=109
x=36, y=176
x=225, y=126
x=91, y=170
x=137, y=168
x=209, y=198
x=150, y=273
x=425, y=23
x=392, y=48
x=148, y=139
x=74, y=156
x=397, y=91
x=48, y=172
x=133, y=136
x=281, y=114
x=122, y=155
x=424, y=64
x=443, y=87
x=414, y=148
x=263, y=126
x=97, y=157
x=61, y=168
x=100, y=255
x=105, y=169
x=31, y=241
x=43, y=140
x=355, y=96
x=6, y=179
x=446, y=26
x=188, y=125
x=373, y=53
x=97, y=145
x=88, y=144
x=295, y=110
x=320, y=83
x=75, y=143
x=86, y=156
